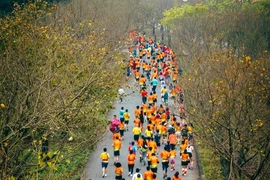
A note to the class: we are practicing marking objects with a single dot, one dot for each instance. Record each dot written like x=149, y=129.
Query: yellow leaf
x=49, y=164
x=49, y=154
x=3, y=106
x=41, y=164
x=71, y=138
x=11, y=178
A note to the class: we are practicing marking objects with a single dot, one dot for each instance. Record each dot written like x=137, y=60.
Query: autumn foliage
x=228, y=100
x=57, y=84
x=224, y=55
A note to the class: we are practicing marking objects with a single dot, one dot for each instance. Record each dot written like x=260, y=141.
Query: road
x=93, y=167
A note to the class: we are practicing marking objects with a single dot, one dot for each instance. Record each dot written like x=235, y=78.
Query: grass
x=210, y=163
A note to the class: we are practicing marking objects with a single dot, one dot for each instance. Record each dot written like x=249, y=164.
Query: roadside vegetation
x=224, y=49
x=61, y=66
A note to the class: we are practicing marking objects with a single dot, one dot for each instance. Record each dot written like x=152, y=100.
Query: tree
x=227, y=100
x=225, y=79
x=242, y=26
x=56, y=87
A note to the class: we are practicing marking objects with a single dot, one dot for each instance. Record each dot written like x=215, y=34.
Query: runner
x=136, y=131
x=154, y=177
x=172, y=158
x=174, y=76
x=132, y=147
x=148, y=73
x=127, y=73
x=183, y=146
x=162, y=85
x=116, y=134
x=118, y=171
x=126, y=118
x=144, y=107
x=152, y=144
x=121, y=93
x=178, y=131
x=152, y=119
x=137, y=74
x=163, y=117
x=144, y=94
x=137, y=112
x=121, y=114
x=148, y=133
x=173, y=120
x=172, y=139
x=117, y=144
x=157, y=138
x=131, y=162
x=164, y=131
x=135, y=176
x=143, y=150
x=155, y=97
x=190, y=151
x=151, y=98
x=154, y=163
x=142, y=118
x=148, y=174
x=139, y=177
x=184, y=131
x=137, y=122
x=154, y=84
x=114, y=126
x=165, y=95
x=149, y=153
x=122, y=130
x=190, y=131
x=176, y=176
x=161, y=109
x=184, y=162
x=168, y=114
x=104, y=156
x=165, y=161
x=142, y=82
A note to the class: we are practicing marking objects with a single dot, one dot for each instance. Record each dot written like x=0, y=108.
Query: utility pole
x=162, y=33
x=169, y=39
x=154, y=27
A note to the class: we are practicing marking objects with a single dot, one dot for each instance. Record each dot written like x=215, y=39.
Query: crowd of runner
x=159, y=136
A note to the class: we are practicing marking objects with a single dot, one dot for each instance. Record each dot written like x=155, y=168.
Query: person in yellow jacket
x=104, y=156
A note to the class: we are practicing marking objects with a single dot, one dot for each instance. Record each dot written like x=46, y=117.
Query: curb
x=198, y=160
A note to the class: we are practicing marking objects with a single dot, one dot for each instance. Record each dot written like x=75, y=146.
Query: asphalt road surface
x=93, y=169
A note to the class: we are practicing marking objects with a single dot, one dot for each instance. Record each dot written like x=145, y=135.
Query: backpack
x=157, y=138
x=184, y=132
x=114, y=128
x=129, y=148
x=144, y=146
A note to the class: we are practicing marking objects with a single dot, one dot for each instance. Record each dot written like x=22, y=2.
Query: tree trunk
x=225, y=167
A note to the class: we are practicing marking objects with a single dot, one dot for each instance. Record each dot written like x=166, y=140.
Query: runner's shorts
x=118, y=177
x=184, y=163
x=136, y=137
x=172, y=160
x=116, y=153
x=104, y=164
